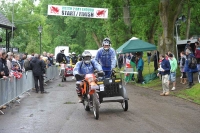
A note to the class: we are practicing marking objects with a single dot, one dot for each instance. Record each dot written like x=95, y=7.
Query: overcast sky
x=36, y=1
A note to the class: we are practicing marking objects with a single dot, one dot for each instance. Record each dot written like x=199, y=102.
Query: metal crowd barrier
x=12, y=88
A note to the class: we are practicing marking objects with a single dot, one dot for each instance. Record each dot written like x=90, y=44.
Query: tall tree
x=169, y=11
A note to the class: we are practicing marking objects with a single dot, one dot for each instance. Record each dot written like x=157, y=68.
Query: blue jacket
x=82, y=68
x=140, y=65
x=186, y=66
x=106, y=58
x=166, y=66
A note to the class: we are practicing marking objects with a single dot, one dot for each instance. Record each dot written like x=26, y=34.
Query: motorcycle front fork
x=90, y=100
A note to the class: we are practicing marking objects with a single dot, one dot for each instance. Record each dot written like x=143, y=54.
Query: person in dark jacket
x=4, y=72
x=149, y=57
x=140, y=66
x=74, y=58
x=187, y=45
x=38, y=70
x=165, y=72
x=197, y=54
x=188, y=69
x=61, y=58
x=156, y=60
x=27, y=63
x=182, y=64
x=50, y=58
x=120, y=60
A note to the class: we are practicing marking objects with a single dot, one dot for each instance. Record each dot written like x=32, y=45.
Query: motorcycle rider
x=106, y=56
x=86, y=66
x=80, y=57
x=61, y=58
x=74, y=59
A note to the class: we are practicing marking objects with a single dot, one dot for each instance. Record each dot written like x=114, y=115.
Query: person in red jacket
x=197, y=55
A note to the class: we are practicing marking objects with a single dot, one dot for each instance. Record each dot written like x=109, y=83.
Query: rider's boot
x=80, y=99
x=79, y=93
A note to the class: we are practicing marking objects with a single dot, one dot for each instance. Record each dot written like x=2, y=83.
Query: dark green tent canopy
x=135, y=45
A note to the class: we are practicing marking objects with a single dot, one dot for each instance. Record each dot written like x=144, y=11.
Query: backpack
x=193, y=62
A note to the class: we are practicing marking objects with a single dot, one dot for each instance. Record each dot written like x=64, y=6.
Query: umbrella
x=135, y=45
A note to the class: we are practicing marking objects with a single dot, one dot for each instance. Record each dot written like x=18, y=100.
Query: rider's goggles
x=87, y=57
x=106, y=43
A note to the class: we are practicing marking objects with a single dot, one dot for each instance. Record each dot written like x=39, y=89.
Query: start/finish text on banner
x=87, y=12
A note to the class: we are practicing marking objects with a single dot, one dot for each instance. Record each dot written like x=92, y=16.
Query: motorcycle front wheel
x=96, y=106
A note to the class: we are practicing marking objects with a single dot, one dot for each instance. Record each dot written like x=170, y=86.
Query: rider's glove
x=82, y=75
x=101, y=73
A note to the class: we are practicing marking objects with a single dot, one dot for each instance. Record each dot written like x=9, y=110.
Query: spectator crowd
x=166, y=65
x=14, y=64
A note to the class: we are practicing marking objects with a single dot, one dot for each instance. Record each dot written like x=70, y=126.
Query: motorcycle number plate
x=101, y=87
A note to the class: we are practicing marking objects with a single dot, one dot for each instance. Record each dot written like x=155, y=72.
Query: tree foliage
x=144, y=19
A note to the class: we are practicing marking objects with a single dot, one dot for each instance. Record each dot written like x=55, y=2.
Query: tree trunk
x=151, y=32
x=188, y=22
x=96, y=39
x=168, y=11
x=126, y=15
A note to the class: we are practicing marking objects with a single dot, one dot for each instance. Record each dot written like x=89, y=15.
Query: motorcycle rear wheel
x=96, y=106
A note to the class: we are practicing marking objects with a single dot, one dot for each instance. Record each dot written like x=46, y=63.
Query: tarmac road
x=59, y=112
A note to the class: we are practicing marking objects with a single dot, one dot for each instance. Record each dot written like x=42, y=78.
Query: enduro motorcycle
x=90, y=88
x=97, y=89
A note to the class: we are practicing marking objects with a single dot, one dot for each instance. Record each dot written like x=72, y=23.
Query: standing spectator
x=38, y=69
x=4, y=72
x=198, y=40
x=188, y=69
x=165, y=71
x=120, y=60
x=133, y=63
x=156, y=59
x=166, y=56
x=197, y=55
x=182, y=64
x=9, y=60
x=21, y=61
x=149, y=57
x=51, y=59
x=16, y=60
x=140, y=66
x=27, y=63
x=187, y=45
x=173, y=65
x=44, y=54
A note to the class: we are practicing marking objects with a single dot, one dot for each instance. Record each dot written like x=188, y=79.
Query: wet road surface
x=59, y=112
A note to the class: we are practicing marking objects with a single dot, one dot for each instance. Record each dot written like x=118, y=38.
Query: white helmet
x=106, y=42
x=62, y=49
x=86, y=57
x=73, y=53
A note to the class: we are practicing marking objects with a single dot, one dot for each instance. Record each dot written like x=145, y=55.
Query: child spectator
x=16, y=71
